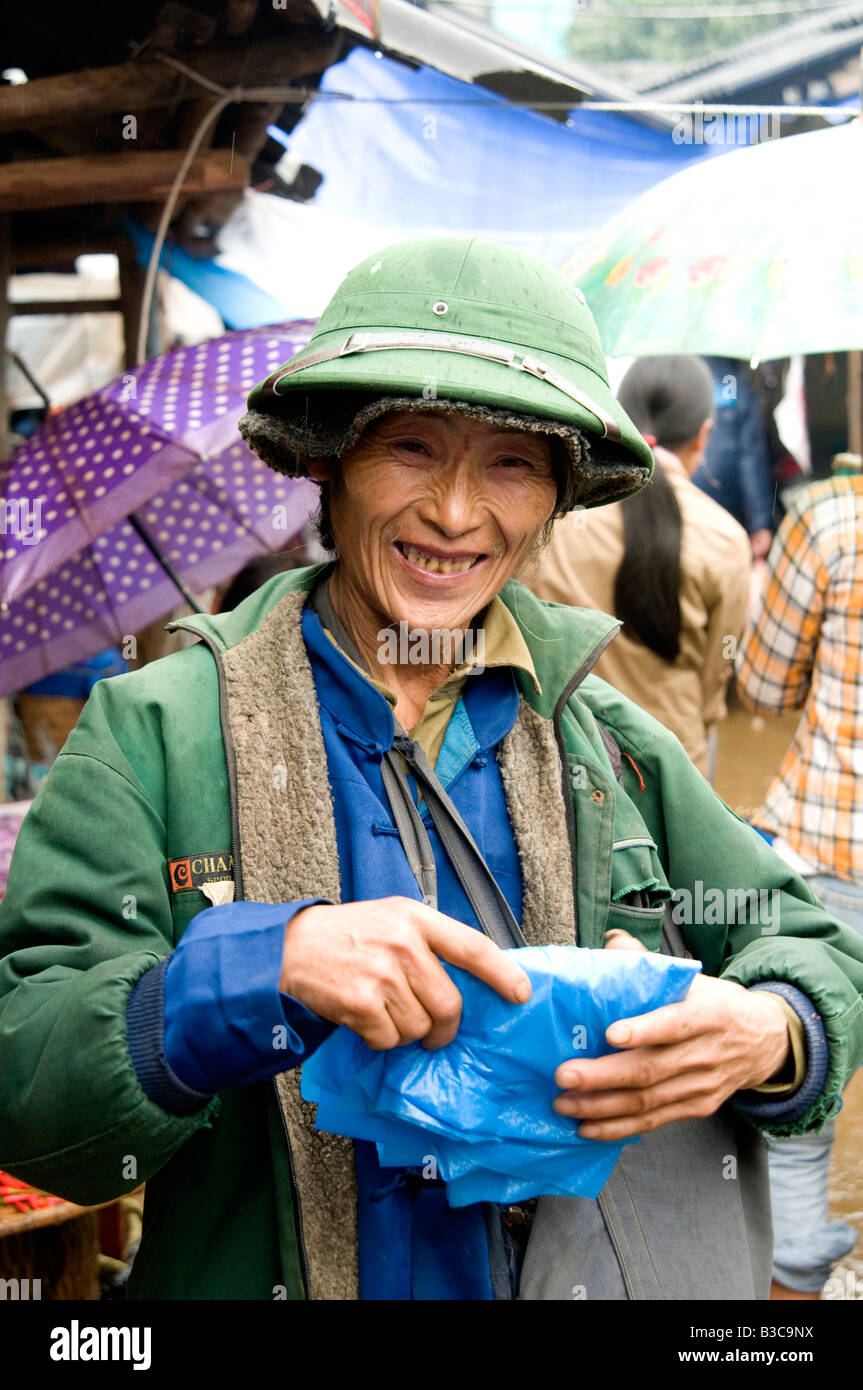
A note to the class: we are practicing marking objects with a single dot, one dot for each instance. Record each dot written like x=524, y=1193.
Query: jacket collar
x=671, y=463
x=563, y=642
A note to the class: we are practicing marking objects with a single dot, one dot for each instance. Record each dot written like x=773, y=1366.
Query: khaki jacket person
x=579, y=568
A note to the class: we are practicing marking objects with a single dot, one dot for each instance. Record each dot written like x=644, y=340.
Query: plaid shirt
x=804, y=647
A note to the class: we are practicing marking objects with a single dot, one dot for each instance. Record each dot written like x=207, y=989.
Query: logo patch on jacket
x=212, y=874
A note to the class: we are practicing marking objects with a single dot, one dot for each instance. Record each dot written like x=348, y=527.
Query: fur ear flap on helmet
x=285, y=444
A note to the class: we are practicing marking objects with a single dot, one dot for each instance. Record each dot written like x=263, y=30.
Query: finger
x=387, y=1019
x=644, y=1124
x=409, y=1018
x=600, y=1105
x=619, y=940
x=377, y=1031
x=441, y=1000
x=670, y=1023
x=643, y=1066
x=473, y=951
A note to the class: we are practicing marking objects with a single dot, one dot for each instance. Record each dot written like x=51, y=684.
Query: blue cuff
x=214, y=1017
x=792, y=1108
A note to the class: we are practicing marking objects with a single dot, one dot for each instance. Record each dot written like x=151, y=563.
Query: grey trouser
x=684, y=1215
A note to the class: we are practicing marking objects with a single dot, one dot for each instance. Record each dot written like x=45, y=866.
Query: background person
x=802, y=650
x=735, y=470
x=669, y=562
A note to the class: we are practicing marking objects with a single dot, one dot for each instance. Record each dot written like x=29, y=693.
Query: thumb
x=619, y=940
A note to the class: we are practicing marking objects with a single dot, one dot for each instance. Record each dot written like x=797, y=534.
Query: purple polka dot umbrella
x=207, y=518
x=101, y=459
x=207, y=525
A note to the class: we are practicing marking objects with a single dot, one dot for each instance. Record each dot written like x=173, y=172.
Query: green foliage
x=631, y=32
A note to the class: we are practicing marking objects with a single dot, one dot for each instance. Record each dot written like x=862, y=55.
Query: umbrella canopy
x=12, y=814
x=207, y=524
x=758, y=253
x=102, y=458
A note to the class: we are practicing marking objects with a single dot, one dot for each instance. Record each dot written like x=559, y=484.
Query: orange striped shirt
x=803, y=648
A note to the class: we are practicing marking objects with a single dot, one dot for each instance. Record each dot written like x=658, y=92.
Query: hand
x=680, y=1062
x=373, y=966
x=760, y=542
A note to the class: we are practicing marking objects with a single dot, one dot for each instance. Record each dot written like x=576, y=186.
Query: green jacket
x=145, y=779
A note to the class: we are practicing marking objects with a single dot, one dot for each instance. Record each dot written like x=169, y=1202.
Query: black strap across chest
x=492, y=910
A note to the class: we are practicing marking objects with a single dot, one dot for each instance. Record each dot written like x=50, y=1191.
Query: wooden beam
x=66, y=306
x=45, y=252
x=131, y=88
x=116, y=178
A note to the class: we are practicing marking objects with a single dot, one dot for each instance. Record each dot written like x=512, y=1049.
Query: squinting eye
x=413, y=446
x=513, y=461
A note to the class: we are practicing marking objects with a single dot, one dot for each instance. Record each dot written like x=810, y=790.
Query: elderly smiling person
x=282, y=829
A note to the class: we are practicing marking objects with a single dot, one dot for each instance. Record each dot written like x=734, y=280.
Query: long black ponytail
x=668, y=398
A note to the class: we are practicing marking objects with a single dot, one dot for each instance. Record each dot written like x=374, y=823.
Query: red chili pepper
x=22, y=1196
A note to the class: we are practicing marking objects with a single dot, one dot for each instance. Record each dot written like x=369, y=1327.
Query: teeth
x=433, y=564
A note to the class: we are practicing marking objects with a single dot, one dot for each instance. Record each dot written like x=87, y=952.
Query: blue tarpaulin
x=419, y=149
x=414, y=152
x=240, y=301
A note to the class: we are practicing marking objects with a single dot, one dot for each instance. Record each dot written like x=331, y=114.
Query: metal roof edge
x=821, y=32
x=472, y=51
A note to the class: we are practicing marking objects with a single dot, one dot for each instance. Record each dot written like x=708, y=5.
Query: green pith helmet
x=453, y=323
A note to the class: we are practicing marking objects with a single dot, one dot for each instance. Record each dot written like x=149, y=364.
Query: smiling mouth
x=438, y=562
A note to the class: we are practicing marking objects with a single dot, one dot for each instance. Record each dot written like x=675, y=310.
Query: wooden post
x=854, y=393
x=854, y=402
x=131, y=292
x=5, y=271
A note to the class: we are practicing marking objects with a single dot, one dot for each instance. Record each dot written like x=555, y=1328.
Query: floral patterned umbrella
x=758, y=253
x=102, y=458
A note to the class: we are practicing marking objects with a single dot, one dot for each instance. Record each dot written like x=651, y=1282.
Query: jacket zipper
x=557, y=722
x=239, y=895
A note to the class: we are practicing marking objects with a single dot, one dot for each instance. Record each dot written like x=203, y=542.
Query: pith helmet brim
x=452, y=323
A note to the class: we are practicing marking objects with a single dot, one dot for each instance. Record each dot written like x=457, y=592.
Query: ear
x=703, y=435
x=319, y=469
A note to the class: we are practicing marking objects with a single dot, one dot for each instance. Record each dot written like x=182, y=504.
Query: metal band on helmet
x=467, y=347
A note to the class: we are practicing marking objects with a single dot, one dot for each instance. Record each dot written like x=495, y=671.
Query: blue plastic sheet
x=478, y=1113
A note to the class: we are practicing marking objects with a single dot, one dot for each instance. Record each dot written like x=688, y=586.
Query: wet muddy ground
x=750, y=750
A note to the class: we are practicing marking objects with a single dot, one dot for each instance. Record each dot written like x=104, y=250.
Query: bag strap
x=412, y=832
x=492, y=910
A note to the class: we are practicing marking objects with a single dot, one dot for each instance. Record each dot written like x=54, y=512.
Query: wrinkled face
x=434, y=513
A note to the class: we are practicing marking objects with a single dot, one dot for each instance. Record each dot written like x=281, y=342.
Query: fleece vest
x=289, y=851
